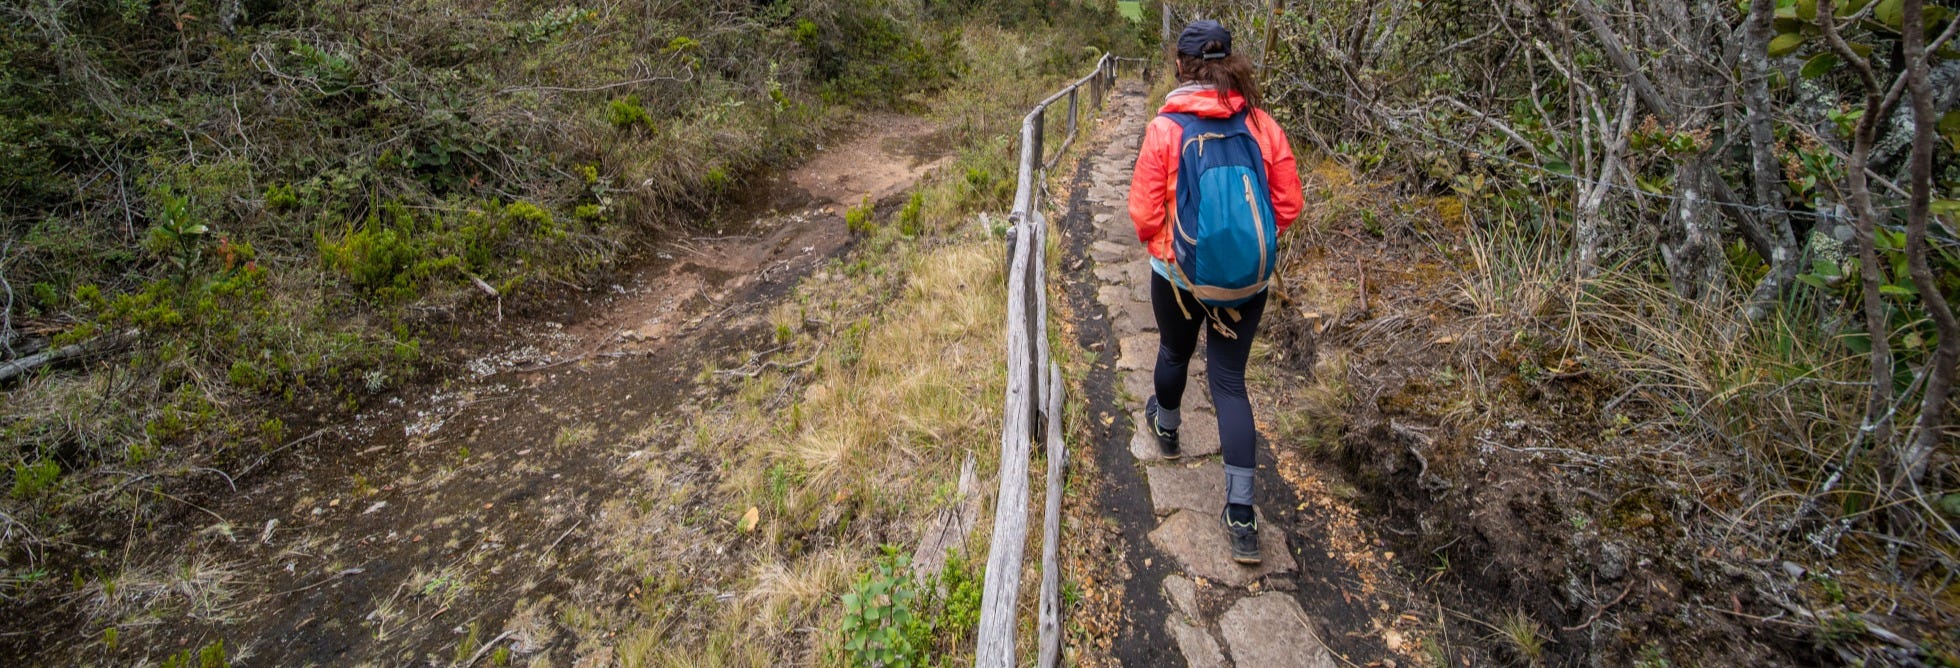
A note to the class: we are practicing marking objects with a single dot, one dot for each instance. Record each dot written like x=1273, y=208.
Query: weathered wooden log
x=1051, y=530
x=994, y=646
x=9, y=370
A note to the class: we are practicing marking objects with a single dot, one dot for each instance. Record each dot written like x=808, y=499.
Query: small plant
x=280, y=197
x=208, y=656
x=859, y=218
x=891, y=619
x=466, y=649
x=881, y=627
x=626, y=113
x=717, y=179
x=1651, y=657
x=31, y=479
x=909, y=217
x=177, y=236
x=1523, y=635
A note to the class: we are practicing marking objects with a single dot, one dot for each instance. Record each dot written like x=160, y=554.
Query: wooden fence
x=1034, y=392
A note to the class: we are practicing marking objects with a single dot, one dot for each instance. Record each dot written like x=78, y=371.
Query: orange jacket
x=1153, y=185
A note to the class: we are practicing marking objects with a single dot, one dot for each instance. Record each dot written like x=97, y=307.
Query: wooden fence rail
x=1033, y=400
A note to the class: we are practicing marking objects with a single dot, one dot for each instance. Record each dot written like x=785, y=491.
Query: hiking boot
x=1244, y=536
x=1166, y=438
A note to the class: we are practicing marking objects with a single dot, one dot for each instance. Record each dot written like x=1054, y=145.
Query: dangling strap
x=1177, y=293
x=1217, y=322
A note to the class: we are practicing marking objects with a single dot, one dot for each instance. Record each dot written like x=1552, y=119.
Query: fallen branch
x=771, y=364
x=485, y=287
x=1596, y=612
x=9, y=370
x=485, y=648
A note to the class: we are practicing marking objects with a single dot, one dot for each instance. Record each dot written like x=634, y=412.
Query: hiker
x=1214, y=187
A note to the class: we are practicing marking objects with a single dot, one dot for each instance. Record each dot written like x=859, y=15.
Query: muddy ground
x=471, y=507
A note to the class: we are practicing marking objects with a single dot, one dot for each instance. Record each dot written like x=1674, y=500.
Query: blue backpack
x=1226, y=237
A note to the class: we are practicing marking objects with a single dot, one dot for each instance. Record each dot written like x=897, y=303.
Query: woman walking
x=1214, y=187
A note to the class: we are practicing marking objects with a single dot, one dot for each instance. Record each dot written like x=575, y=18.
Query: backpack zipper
x=1259, y=224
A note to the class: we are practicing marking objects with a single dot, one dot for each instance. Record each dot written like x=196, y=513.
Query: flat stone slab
x=1135, y=317
x=1197, y=394
x=1113, y=296
x=1105, y=251
x=1138, y=353
x=1138, y=383
x=1124, y=233
x=1200, y=650
x=1197, y=437
x=1199, y=488
x=1183, y=593
x=1198, y=542
x=1125, y=273
x=1271, y=631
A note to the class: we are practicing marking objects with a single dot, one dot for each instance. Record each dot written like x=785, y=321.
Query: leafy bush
x=908, y=217
x=881, y=627
x=892, y=619
x=31, y=479
x=626, y=113
x=861, y=218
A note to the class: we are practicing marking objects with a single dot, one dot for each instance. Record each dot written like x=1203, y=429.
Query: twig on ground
x=485, y=648
x=263, y=458
x=561, y=539
x=1596, y=611
x=771, y=364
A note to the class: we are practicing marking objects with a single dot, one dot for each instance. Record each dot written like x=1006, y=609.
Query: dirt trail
x=475, y=507
x=1325, y=594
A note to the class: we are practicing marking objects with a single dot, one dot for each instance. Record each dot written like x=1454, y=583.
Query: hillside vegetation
x=238, y=220
x=1663, y=311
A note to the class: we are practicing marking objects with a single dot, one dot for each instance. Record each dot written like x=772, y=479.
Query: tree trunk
x=1939, y=377
x=1765, y=170
x=1878, y=410
x=1693, y=252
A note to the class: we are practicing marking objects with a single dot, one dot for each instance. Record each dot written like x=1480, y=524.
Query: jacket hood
x=1202, y=100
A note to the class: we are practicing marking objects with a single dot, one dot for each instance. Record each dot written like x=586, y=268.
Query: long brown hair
x=1224, y=75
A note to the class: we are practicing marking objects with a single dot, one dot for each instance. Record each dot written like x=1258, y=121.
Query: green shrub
x=908, y=217
x=32, y=479
x=893, y=619
x=280, y=197
x=717, y=180
x=626, y=113
x=208, y=656
x=861, y=218
x=881, y=627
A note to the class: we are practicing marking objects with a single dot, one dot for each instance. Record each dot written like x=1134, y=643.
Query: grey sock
x=1238, y=485
x=1168, y=419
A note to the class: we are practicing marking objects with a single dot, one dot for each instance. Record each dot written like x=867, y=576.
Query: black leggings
x=1226, y=357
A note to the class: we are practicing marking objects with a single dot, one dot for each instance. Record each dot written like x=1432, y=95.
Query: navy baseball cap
x=1200, y=33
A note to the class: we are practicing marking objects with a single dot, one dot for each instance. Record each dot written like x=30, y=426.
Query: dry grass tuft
x=198, y=587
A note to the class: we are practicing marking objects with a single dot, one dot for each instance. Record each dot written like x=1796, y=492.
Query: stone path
x=1223, y=613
